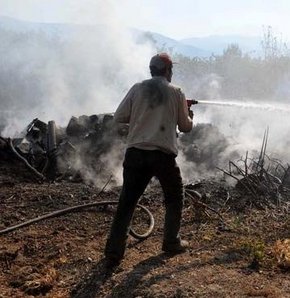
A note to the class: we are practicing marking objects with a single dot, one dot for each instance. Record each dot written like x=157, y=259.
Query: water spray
x=250, y=105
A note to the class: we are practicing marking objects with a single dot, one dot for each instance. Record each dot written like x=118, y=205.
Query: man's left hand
x=190, y=114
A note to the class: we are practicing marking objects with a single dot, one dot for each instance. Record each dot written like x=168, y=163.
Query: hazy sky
x=177, y=19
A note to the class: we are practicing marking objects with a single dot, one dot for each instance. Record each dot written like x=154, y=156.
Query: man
x=154, y=109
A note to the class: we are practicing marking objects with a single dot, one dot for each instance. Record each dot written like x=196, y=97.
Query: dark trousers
x=139, y=167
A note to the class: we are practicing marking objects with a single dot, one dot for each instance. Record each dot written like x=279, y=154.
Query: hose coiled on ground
x=79, y=208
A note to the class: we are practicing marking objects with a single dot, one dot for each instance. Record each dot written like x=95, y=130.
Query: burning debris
x=50, y=152
x=206, y=145
x=265, y=180
x=92, y=147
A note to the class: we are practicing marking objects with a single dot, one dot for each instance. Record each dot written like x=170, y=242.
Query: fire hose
x=56, y=213
x=193, y=195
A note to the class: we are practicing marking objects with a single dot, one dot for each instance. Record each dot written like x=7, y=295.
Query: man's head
x=161, y=65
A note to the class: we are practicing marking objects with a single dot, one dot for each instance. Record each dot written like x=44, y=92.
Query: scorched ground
x=233, y=256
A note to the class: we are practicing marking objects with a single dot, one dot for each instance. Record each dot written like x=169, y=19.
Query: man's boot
x=172, y=243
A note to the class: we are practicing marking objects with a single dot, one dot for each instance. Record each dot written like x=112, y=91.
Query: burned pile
x=91, y=148
x=52, y=152
x=205, y=145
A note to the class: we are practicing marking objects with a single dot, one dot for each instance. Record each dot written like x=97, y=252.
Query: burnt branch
x=262, y=179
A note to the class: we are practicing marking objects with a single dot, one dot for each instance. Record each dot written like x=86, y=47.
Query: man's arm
x=185, y=116
x=123, y=112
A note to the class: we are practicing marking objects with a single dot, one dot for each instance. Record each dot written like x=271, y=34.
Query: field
x=233, y=253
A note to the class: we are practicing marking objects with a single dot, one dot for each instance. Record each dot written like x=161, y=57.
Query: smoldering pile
x=76, y=152
x=91, y=149
x=206, y=147
x=93, y=146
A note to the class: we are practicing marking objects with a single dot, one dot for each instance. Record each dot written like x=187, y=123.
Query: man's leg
x=170, y=179
x=135, y=182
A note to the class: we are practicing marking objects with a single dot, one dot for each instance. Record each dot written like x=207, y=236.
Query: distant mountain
x=217, y=43
x=51, y=29
x=201, y=47
x=176, y=47
x=16, y=25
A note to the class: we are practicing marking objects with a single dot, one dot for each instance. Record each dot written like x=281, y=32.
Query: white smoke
x=81, y=70
x=242, y=123
x=246, y=126
x=88, y=71
x=71, y=71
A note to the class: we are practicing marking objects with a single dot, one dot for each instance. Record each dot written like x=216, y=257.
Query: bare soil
x=63, y=256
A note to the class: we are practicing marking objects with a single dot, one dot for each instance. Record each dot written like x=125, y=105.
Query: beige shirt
x=154, y=109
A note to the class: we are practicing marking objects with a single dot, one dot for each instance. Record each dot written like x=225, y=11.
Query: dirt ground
x=63, y=256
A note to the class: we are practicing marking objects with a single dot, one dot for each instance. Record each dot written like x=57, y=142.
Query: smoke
x=207, y=86
x=54, y=72
x=246, y=126
x=88, y=69
x=98, y=170
x=73, y=71
x=203, y=150
x=225, y=130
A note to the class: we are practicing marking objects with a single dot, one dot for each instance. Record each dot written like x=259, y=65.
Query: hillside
x=191, y=47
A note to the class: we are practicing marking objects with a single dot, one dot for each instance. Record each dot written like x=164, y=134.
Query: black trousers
x=139, y=167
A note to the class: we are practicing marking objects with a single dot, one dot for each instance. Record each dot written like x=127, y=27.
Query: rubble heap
x=51, y=151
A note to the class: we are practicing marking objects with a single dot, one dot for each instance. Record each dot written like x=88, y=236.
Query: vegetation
x=235, y=75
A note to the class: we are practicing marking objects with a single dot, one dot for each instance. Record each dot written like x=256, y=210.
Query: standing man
x=154, y=109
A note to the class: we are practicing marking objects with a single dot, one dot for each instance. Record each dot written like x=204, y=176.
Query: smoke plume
x=73, y=71
x=85, y=70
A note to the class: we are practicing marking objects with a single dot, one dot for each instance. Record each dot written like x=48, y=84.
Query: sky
x=176, y=19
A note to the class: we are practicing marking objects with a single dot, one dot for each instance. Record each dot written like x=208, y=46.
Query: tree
x=272, y=45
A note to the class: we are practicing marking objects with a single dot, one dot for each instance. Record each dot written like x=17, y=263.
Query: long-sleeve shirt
x=154, y=109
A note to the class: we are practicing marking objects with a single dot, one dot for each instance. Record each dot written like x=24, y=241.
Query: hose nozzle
x=191, y=102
